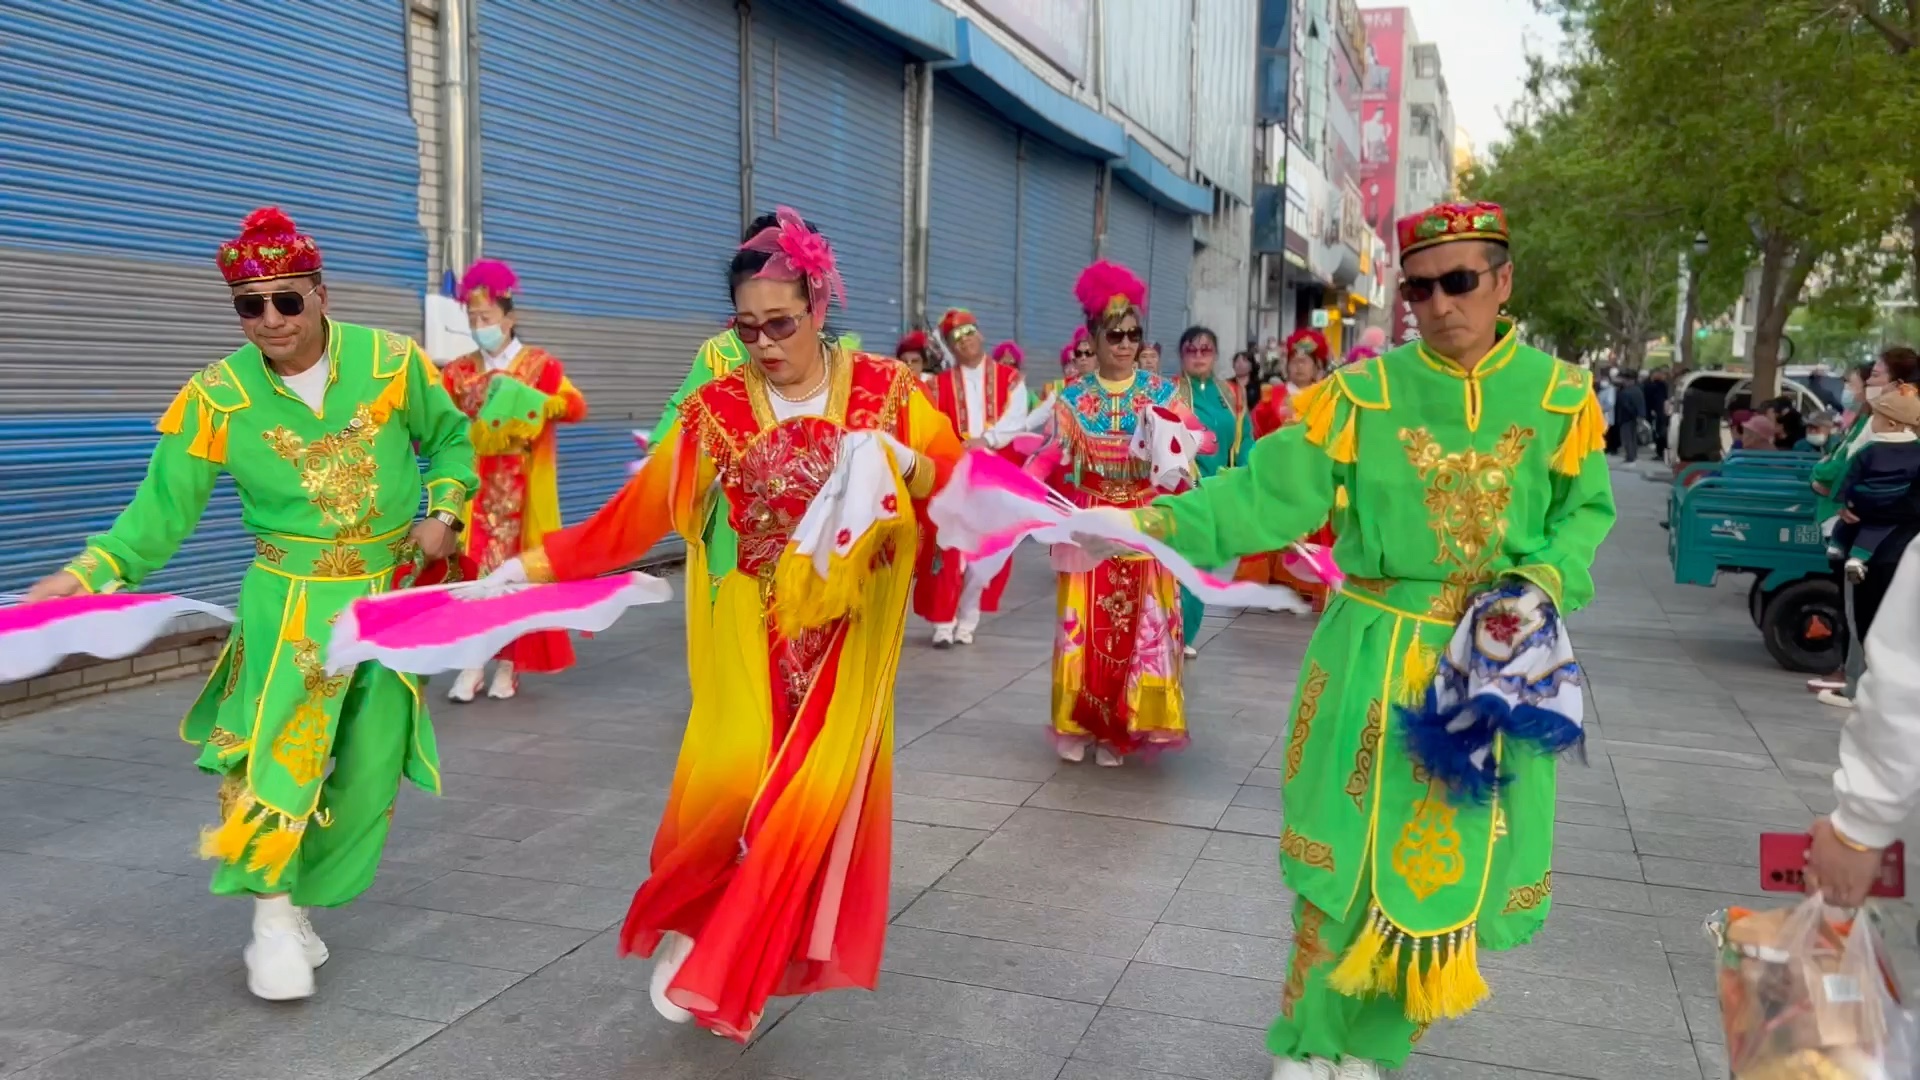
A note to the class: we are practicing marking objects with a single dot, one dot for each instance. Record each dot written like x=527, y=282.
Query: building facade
x=1407, y=130
x=968, y=153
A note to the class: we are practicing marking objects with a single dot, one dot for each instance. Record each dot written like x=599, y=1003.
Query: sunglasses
x=1082, y=354
x=1135, y=335
x=1198, y=350
x=1418, y=290
x=779, y=329
x=289, y=304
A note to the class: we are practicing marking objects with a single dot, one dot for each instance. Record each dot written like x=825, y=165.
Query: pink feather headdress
x=799, y=254
x=1008, y=352
x=490, y=279
x=1066, y=352
x=1106, y=290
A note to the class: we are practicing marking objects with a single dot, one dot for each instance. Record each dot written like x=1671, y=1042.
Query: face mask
x=1816, y=440
x=1874, y=392
x=1849, y=399
x=489, y=338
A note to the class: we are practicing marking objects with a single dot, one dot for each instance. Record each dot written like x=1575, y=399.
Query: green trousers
x=1191, y=612
x=1316, y=1021
x=340, y=850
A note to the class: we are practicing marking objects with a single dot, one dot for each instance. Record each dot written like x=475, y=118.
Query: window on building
x=1426, y=66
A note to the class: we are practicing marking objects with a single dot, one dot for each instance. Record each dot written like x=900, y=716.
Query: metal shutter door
x=609, y=148
x=1167, y=288
x=1057, y=197
x=827, y=142
x=1130, y=233
x=974, y=248
x=109, y=178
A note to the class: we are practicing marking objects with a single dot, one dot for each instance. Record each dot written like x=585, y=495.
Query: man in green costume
x=317, y=422
x=721, y=354
x=1466, y=459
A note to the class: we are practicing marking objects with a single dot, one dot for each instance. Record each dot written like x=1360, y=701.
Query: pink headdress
x=1008, y=352
x=1106, y=290
x=799, y=254
x=489, y=279
x=1066, y=352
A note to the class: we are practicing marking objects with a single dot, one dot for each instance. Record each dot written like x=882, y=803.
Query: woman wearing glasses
x=1218, y=405
x=1117, y=655
x=770, y=868
x=515, y=394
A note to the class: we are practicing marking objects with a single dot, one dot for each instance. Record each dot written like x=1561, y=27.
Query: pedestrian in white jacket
x=1878, y=782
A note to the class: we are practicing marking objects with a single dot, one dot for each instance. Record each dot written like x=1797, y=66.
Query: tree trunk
x=1913, y=243
x=1783, y=274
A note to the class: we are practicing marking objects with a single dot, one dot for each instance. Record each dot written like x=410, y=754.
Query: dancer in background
x=986, y=402
x=912, y=351
x=1476, y=475
x=515, y=394
x=1009, y=354
x=770, y=867
x=1118, y=650
x=1306, y=364
x=317, y=422
x=1219, y=406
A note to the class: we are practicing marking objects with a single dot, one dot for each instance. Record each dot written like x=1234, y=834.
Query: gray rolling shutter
x=974, y=248
x=1057, y=195
x=1172, y=259
x=1130, y=233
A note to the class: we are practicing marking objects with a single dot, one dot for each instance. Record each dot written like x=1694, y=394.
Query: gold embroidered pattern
x=1468, y=494
x=1528, y=897
x=1303, y=717
x=314, y=677
x=340, y=561
x=1362, y=778
x=1309, y=952
x=268, y=553
x=225, y=740
x=337, y=471
x=1427, y=855
x=212, y=377
x=237, y=657
x=1421, y=775
x=86, y=562
x=1311, y=852
x=1499, y=821
x=302, y=746
x=232, y=786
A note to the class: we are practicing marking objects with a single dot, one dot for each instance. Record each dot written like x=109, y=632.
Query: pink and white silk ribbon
x=34, y=638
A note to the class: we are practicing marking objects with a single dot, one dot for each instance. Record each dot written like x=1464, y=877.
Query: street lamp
x=1689, y=302
x=1700, y=244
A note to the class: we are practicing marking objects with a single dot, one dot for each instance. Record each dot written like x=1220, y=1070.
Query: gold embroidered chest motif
x=1467, y=498
x=337, y=471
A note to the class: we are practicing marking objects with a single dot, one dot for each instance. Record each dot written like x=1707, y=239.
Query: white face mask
x=1874, y=392
x=489, y=338
x=1817, y=439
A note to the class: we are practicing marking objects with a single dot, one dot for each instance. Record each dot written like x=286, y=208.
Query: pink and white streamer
x=989, y=505
x=459, y=627
x=34, y=638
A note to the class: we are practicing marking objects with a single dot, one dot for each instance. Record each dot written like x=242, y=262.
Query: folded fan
x=456, y=627
x=34, y=638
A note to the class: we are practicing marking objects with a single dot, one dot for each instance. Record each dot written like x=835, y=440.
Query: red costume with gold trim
x=942, y=571
x=773, y=856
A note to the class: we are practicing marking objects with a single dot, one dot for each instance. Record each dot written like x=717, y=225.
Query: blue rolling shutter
x=827, y=142
x=1172, y=259
x=110, y=176
x=1057, y=196
x=610, y=135
x=973, y=252
x=1130, y=233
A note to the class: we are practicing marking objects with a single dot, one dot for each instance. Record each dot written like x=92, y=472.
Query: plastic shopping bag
x=1806, y=993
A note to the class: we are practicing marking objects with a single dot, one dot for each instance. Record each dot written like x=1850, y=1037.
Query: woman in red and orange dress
x=770, y=867
x=1306, y=364
x=519, y=497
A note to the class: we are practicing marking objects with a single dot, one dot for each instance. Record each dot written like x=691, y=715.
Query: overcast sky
x=1483, y=46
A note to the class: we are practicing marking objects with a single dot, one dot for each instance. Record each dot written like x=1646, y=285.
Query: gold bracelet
x=1847, y=840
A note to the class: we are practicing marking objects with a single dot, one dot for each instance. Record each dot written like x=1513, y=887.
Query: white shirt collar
x=501, y=360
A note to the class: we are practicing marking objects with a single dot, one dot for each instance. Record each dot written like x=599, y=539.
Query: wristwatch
x=448, y=518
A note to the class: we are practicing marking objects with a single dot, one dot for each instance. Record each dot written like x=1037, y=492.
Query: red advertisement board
x=1380, y=116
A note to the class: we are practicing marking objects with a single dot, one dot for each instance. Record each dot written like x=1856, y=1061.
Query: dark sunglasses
x=254, y=305
x=1082, y=354
x=1135, y=335
x=1200, y=350
x=1418, y=290
x=779, y=329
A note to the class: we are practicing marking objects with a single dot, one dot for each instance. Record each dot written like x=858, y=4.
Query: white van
x=1701, y=403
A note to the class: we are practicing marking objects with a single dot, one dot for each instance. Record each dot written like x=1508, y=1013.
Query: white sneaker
x=1835, y=698
x=277, y=965
x=1191, y=652
x=1073, y=750
x=310, y=943
x=963, y=637
x=504, y=685
x=673, y=952
x=943, y=637
x=467, y=685
x=1106, y=757
x=1310, y=1069
x=1356, y=1069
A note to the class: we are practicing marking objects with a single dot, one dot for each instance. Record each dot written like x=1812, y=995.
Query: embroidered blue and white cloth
x=1508, y=673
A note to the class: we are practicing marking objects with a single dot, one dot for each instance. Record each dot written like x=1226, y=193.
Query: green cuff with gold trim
x=448, y=495
x=1546, y=576
x=97, y=570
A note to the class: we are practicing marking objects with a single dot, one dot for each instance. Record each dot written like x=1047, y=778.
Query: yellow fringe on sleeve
x=174, y=420
x=1587, y=434
x=803, y=599
x=209, y=437
x=1345, y=446
x=392, y=399
x=1317, y=406
x=202, y=445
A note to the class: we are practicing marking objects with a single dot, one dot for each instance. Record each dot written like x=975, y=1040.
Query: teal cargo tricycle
x=1754, y=513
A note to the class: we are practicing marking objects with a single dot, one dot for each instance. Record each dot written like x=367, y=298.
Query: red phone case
x=1783, y=865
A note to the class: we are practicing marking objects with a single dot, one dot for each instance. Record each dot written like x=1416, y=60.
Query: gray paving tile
x=1197, y=995
x=1621, y=866
x=1175, y=1045
x=460, y=939
x=21, y=1047
x=821, y=1048
x=107, y=1059
x=599, y=868
x=938, y=785
x=1592, y=837
x=410, y=986
x=922, y=854
x=1235, y=914
x=1100, y=1070
x=1002, y=965
x=1687, y=874
x=1649, y=1010
x=1243, y=849
x=1074, y=929
x=1001, y=759
x=1241, y=819
x=1220, y=951
x=1610, y=894
x=1236, y=879
x=959, y=813
x=1567, y=1049
x=1095, y=797
x=975, y=1014
x=521, y=899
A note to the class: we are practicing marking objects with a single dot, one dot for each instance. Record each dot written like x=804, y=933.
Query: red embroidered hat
x=1448, y=222
x=958, y=321
x=915, y=341
x=268, y=247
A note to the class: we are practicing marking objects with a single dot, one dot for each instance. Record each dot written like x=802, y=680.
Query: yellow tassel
x=1318, y=405
x=273, y=851
x=803, y=600
x=1587, y=435
x=1416, y=671
x=202, y=444
x=1419, y=995
x=1387, y=979
x=1340, y=497
x=392, y=399
x=1466, y=986
x=1345, y=446
x=229, y=841
x=174, y=420
x=1355, y=975
x=296, y=627
x=217, y=451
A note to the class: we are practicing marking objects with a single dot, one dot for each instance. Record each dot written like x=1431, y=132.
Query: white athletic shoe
x=467, y=685
x=1073, y=750
x=943, y=637
x=673, y=952
x=1356, y=1069
x=277, y=964
x=1310, y=1069
x=504, y=685
x=1191, y=652
x=963, y=637
x=310, y=943
x=1106, y=757
x=1835, y=698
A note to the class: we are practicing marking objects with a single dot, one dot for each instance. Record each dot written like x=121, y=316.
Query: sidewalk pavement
x=1052, y=922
